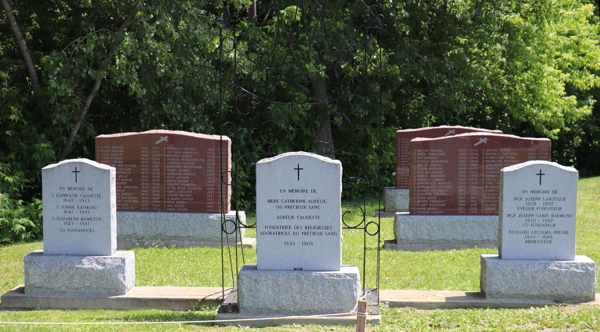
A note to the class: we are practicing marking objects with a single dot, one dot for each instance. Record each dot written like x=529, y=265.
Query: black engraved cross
x=540, y=174
x=76, y=171
x=298, y=169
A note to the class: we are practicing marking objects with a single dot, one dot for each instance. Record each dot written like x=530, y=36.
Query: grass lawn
x=425, y=270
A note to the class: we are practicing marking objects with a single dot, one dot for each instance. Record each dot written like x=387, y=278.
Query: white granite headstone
x=537, y=211
x=79, y=208
x=298, y=212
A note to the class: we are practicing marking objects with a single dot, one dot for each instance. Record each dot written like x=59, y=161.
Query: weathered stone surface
x=538, y=209
x=404, y=136
x=460, y=175
x=168, y=171
x=395, y=200
x=84, y=275
x=538, y=279
x=174, y=228
x=446, y=229
x=79, y=208
x=298, y=292
x=298, y=212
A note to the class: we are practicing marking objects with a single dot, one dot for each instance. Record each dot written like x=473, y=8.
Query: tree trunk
x=88, y=101
x=252, y=15
x=323, y=133
x=35, y=83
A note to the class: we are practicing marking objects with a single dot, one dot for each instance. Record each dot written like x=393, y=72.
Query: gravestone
x=79, y=255
x=455, y=189
x=537, y=257
x=298, y=218
x=396, y=198
x=169, y=187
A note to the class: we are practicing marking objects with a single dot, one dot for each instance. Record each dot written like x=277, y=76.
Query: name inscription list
x=168, y=171
x=404, y=136
x=460, y=175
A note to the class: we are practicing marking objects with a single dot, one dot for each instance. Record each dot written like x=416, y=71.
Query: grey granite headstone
x=538, y=201
x=298, y=212
x=537, y=211
x=80, y=234
x=79, y=208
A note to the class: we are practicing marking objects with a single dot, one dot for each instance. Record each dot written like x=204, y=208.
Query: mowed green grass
x=424, y=270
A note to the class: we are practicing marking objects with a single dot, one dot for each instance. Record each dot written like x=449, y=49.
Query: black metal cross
x=298, y=169
x=540, y=174
x=76, y=171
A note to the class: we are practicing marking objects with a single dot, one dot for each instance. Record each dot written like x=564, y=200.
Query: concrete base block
x=538, y=279
x=298, y=292
x=83, y=275
x=176, y=229
x=395, y=200
x=425, y=232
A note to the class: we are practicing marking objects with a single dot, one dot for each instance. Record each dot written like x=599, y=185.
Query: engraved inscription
x=166, y=171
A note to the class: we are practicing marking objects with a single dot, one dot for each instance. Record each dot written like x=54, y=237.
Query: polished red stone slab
x=404, y=136
x=460, y=175
x=168, y=171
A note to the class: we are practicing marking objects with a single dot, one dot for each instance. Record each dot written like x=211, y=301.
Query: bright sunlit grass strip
x=423, y=270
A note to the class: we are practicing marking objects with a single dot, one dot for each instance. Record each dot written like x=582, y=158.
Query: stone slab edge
x=430, y=300
x=189, y=298
x=163, y=298
x=446, y=228
x=232, y=319
x=425, y=245
x=147, y=229
x=247, y=242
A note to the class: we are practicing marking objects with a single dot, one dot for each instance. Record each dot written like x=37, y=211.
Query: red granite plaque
x=404, y=136
x=168, y=171
x=460, y=175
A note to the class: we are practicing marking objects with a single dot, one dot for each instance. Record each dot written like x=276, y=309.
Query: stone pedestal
x=427, y=232
x=538, y=279
x=80, y=275
x=395, y=200
x=298, y=292
x=176, y=229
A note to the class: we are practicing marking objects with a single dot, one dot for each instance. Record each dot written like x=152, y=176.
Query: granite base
x=79, y=275
x=298, y=292
x=146, y=229
x=538, y=279
x=395, y=200
x=435, y=232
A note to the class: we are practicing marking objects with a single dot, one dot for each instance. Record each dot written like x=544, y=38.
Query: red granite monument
x=168, y=171
x=460, y=175
x=404, y=136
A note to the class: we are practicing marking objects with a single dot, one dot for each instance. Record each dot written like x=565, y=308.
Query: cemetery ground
x=423, y=270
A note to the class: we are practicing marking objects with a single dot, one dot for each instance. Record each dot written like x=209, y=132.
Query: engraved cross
x=540, y=174
x=76, y=171
x=298, y=169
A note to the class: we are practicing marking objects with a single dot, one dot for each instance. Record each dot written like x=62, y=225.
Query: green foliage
x=529, y=68
x=19, y=221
